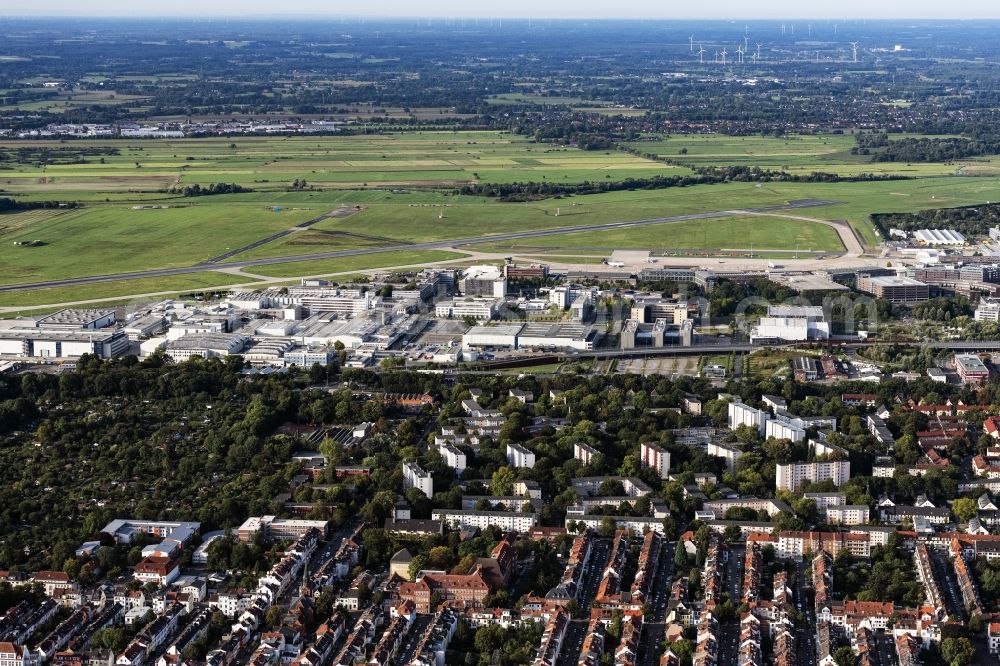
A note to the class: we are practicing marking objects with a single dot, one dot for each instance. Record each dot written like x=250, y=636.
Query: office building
x=971, y=369
x=895, y=289
x=483, y=281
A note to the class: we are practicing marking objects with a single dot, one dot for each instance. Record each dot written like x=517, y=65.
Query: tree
x=502, y=483
x=958, y=651
x=732, y=534
x=680, y=557
x=965, y=509
x=844, y=656
x=274, y=616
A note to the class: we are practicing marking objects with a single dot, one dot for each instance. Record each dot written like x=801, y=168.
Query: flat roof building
x=971, y=369
x=894, y=288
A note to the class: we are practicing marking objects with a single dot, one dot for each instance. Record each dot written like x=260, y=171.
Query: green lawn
x=121, y=288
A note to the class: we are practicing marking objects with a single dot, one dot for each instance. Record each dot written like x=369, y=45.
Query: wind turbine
x=782, y=28
x=715, y=59
x=724, y=56
x=746, y=43
x=739, y=54
x=701, y=54
x=854, y=48
x=758, y=51
x=753, y=58
x=691, y=40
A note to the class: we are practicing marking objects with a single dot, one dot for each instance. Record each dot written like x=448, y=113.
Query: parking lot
x=673, y=367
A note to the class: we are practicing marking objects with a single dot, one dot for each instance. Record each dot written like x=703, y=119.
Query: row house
x=966, y=583
x=865, y=648
x=783, y=650
x=355, y=647
x=628, y=647
x=908, y=650
x=593, y=644
x=579, y=556
x=321, y=651
x=649, y=557
x=434, y=642
x=750, y=653
x=981, y=467
x=706, y=651
x=822, y=576
x=59, y=637
x=712, y=576
x=24, y=619
x=925, y=573
x=609, y=590
x=392, y=638
x=552, y=639
x=753, y=563
x=192, y=632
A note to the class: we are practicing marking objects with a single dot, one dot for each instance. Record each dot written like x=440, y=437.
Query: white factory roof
x=940, y=237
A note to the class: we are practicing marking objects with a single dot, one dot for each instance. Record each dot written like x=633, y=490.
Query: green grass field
x=763, y=233
x=117, y=239
x=121, y=288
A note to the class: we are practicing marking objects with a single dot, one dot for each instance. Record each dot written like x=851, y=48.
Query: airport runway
x=431, y=245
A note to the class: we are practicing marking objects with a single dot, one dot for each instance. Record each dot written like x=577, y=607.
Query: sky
x=651, y=9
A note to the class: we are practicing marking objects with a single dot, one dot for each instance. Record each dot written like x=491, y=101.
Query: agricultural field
x=271, y=164
x=797, y=154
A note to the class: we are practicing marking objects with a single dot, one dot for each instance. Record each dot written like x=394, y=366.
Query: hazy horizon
x=540, y=9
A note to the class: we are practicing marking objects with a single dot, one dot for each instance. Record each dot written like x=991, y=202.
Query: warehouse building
x=791, y=323
x=53, y=344
x=531, y=336
x=939, y=237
